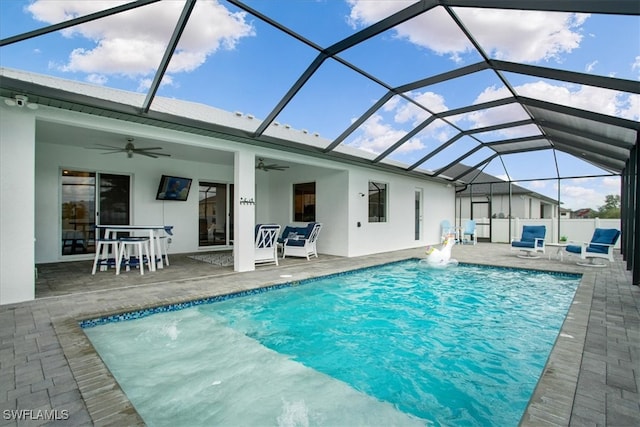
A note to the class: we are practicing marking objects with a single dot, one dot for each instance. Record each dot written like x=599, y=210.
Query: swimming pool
x=395, y=345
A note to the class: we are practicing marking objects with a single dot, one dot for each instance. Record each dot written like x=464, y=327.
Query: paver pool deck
x=48, y=369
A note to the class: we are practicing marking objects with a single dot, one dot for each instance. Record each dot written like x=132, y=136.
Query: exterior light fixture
x=20, y=101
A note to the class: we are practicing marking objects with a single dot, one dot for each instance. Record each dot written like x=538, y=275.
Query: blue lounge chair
x=532, y=241
x=600, y=246
x=446, y=229
x=470, y=230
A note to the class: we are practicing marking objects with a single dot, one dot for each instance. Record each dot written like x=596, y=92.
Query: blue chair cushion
x=291, y=230
x=532, y=232
x=529, y=234
x=522, y=244
x=576, y=249
x=607, y=236
x=302, y=232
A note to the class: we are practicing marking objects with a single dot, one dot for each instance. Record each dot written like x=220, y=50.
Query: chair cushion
x=576, y=249
x=302, y=232
x=522, y=244
x=607, y=236
x=531, y=232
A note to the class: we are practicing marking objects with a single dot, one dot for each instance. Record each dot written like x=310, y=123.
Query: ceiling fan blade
x=147, y=149
x=276, y=167
x=113, y=151
x=142, y=153
x=150, y=154
x=104, y=147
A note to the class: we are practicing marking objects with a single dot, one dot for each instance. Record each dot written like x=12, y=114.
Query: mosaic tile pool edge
x=138, y=314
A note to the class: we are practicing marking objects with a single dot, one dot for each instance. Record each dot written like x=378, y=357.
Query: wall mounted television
x=173, y=188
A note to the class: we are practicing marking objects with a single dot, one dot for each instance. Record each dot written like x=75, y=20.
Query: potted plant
x=563, y=239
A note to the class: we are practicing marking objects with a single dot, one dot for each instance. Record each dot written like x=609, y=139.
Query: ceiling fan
x=130, y=149
x=273, y=167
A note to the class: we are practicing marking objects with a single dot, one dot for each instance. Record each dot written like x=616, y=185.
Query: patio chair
x=266, y=243
x=302, y=245
x=446, y=229
x=470, y=230
x=531, y=242
x=600, y=246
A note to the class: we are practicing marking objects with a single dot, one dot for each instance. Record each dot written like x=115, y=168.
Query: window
x=304, y=202
x=377, y=202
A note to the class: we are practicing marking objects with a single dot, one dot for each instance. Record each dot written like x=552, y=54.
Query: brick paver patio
x=48, y=369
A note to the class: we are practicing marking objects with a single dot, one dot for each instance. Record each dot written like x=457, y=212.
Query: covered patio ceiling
x=438, y=138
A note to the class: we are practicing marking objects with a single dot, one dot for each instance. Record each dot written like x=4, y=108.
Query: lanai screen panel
x=436, y=133
x=411, y=50
x=508, y=133
x=331, y=99
x=459, y=92
x=530, y=165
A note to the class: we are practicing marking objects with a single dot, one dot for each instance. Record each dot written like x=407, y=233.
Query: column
x=244, y=211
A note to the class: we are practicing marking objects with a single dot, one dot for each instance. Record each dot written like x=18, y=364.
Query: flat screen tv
x=173, y=188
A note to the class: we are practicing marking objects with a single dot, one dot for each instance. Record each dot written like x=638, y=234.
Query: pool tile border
x=139, y=314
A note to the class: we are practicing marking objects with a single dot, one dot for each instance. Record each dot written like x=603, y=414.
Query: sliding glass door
x=215, y=214
x=88, y=198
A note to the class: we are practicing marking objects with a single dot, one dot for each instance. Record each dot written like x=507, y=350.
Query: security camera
x=21, y=100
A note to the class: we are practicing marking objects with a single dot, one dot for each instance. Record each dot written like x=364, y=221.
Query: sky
x=232, y=60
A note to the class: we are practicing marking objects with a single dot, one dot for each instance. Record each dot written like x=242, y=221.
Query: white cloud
x=577, y=197
x=522, y=36
x=145, y=84
x=636, y=64
x=133, y=43
x=583, y=97
x=538, y=185
x=381, y=131
x=611, y=183
x=97, y=79
x=591, y=66
x=376, y=136
x=409, y=112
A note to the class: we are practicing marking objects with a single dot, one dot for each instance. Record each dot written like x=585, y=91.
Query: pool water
x=400, y=344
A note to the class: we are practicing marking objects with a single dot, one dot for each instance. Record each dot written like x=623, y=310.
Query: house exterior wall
x=32, y=163
x=398, y=231
x=17, y=200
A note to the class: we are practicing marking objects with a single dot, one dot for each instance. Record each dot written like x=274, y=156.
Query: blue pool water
x=396, y=345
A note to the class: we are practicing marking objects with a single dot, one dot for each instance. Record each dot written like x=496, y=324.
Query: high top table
x=154, y=233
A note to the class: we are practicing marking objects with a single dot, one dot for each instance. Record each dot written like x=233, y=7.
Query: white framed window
x=377, y=201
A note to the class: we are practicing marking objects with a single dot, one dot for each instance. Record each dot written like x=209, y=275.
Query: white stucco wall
x=398, y=232
x=17, y=142
x=35, y=169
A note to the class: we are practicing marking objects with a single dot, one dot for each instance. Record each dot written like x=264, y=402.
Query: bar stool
x=103, y=248
x=141, y=244
x=162, y=248
x=162, y=244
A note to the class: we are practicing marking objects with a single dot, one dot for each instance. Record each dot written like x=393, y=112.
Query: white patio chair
x=266, y=243
x=303, y=246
